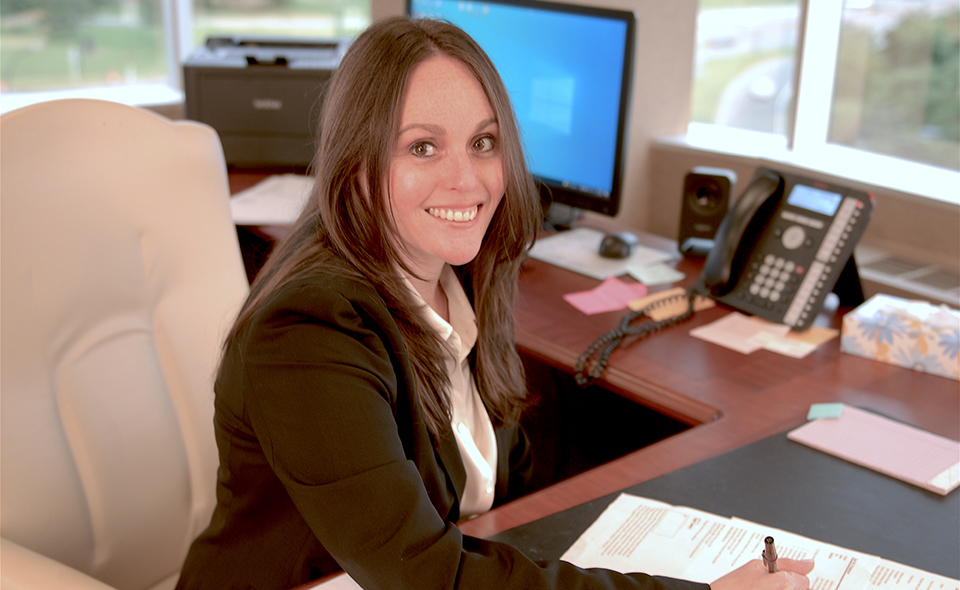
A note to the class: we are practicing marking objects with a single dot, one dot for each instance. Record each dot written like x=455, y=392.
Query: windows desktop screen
x=564, y=74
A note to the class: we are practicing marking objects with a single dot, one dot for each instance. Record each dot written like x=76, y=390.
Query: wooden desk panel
x=736, y=399
x=926, y=401
x=683, y=377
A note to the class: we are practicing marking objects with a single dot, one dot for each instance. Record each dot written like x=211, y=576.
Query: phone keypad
x=772, y=279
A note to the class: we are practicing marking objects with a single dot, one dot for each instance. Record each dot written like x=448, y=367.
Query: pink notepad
x=892, y=448
x=610, y=295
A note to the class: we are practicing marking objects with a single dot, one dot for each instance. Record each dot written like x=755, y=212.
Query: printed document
x=578, y=250
x=637, y=534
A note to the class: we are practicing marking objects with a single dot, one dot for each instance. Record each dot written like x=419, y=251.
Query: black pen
x=769, y=555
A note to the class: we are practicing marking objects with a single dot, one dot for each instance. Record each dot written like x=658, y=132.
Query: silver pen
x=769, y=555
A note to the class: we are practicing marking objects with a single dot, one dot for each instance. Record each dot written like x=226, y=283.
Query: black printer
x=262, y=96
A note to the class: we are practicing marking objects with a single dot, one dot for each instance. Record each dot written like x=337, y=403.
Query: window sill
x=866, y=171
x=142, y=95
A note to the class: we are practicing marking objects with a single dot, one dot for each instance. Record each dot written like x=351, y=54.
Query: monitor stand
x=560, y=217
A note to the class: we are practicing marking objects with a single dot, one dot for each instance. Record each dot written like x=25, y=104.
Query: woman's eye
x=423, y=149
x=484, y=144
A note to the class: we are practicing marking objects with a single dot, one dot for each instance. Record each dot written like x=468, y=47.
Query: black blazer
x=326, y=463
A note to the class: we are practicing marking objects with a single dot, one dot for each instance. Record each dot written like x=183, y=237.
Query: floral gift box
x=911, y=334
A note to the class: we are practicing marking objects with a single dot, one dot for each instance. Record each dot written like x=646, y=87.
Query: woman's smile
x=456, y=215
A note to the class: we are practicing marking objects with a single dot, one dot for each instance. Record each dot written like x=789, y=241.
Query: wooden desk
x=731, y=399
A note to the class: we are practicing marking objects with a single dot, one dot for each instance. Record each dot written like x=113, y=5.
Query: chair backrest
x=121, y=273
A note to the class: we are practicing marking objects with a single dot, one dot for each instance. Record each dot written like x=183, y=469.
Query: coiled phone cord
x=603, y=347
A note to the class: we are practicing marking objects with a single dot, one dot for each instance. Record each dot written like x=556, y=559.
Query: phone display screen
x=815, y=199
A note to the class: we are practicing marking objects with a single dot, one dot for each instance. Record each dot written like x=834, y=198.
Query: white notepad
x=578, y=250
x=909, y=454
x=276, y=200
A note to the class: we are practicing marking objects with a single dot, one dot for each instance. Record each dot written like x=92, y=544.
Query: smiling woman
x=446, y=174
x=370, y=392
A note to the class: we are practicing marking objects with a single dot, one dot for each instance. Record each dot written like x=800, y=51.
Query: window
x=131, y=50
x=878, y=89
x=279, y=18
x=745, y=63
x=48, y=44
x=897, y=89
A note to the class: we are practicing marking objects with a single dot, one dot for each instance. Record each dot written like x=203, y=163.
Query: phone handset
x=733, y=236
x=776, y=255
x=591, y=364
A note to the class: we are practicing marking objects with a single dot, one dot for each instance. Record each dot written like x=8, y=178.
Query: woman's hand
x=792, y=575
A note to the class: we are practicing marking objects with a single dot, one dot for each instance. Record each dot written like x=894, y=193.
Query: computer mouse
x=617, y=245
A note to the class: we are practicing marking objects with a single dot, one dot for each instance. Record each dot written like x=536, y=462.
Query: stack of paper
x=277, y=200
x=579, y=250
x=641, y=535
x=748, y=334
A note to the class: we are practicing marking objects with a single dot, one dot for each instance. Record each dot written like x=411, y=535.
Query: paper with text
x=641, y=535
x=739, y=332
x=894, y=576
x=747, y=334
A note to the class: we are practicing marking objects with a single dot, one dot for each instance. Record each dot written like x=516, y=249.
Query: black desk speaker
x=706, y=197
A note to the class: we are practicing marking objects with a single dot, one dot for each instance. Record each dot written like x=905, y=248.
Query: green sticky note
x=818, y=411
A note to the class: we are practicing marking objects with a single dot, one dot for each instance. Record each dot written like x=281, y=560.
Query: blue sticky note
x=818, y=411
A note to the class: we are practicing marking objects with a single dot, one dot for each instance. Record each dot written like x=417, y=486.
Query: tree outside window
x=55, y=44
x=897, y=82
x=58, y=44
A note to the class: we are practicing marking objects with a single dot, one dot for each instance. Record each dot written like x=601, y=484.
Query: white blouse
x=471, y=423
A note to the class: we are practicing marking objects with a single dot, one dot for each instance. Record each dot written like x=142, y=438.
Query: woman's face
x=446, y=171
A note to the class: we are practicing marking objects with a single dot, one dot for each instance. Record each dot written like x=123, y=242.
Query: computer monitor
x=567, y=69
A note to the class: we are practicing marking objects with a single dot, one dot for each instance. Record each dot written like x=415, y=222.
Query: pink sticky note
x=611, y=295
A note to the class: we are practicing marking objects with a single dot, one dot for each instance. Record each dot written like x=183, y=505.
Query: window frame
x=806, y=144
x=805, y=147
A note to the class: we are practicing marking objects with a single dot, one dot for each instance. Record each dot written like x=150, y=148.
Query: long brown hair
x=347, y=227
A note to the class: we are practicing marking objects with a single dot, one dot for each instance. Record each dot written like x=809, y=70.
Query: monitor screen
x=567, y=69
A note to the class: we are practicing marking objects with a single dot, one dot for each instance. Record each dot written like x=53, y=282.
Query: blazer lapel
x=452, y=464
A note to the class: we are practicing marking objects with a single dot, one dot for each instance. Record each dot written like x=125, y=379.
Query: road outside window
x=895, y=76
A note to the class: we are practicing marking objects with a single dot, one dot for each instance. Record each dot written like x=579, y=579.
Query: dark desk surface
x=786, y=485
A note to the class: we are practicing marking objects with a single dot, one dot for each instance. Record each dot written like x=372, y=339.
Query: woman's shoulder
x=325, y=285
x=322, y=294
x=317, y=307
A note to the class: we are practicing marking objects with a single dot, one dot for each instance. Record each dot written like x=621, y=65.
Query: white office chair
x=121, y=273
